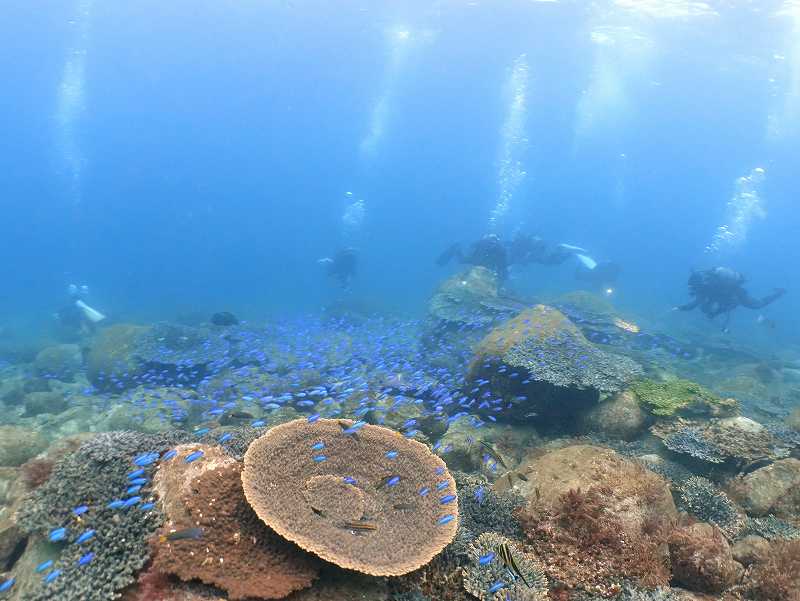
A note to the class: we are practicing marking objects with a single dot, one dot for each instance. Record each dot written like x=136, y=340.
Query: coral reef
x=481, y=577
x=236, y=551
x=360, y=496
x=483, y=509
x=38, y=403
x=95, y=475
x=466, y=298
x=771, y=528
x=702, y=560
x=541, y=354
x=706, y=502
x=681, y=397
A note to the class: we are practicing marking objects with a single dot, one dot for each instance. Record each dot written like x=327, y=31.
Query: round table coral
x=360, y=496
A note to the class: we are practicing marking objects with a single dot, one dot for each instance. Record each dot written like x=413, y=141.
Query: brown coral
x=236, y=551
x=364, y=498
x=702, y=560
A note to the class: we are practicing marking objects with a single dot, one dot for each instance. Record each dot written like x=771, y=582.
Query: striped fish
x=504, y=552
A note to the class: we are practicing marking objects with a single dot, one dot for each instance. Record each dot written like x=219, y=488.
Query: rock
x=702, y=560
x=675, y=396
x=793, y=421
x=751, y=549
x=62, y=362
x=17, y=445
x=636, y=490
x=37, y=403
x=540, y=362
x=772, y=489
x=110, y=364
x=460, y=449
x=618, y=417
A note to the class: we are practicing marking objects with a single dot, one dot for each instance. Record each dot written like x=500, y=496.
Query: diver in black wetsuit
x=342, y=266
x=525, y=249
x=720, y=290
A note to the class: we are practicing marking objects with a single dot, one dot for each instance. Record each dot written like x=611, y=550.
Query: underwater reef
x=495, y=449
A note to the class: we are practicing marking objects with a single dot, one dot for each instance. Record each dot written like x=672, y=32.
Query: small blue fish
x=84, y=537
x=312, y=418
x=447, y=499
x=484, y=559
x=80, y=510
x=350, y=480
x=445, y=519
x=423, y=492
x=7, y=585
x=317, y=446
x=225, y=437
x=320, y=458
x=439, y=471
x=169, y=455
x=479, y=495
x=259, y=423
x=131, y=502
x=57, y=535
x=147, y=506
x=393, y=481
x=136, y=474
x=118, y=504
x=86, y=559
x=132, y=490
x=442, y=485
x=138, y=482
x=146, y=459
x=193, y=456
x=391, y=454
x=202, y=431
x=52, y=576
x=496, y=587
x=411, y=433
x=44, y=566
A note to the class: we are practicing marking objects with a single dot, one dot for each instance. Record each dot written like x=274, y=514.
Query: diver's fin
x=587, y=261
x=572, y=247
x=92, y=315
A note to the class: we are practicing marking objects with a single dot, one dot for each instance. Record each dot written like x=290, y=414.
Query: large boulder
x=110, y=362
x=582, y=467
x=702, y=560
x=772, y=489
x=37, y=403
x=540, y=362
x=621, y=416
x=62, y=362
x=17, y=445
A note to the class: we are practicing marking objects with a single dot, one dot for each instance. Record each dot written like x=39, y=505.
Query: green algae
x=671, y=397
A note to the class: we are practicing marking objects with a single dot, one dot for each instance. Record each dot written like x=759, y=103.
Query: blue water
x=206, y=165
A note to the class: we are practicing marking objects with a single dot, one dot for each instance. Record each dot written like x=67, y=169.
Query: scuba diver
x=76, y=316
x=342, y=266
x=719, y=291
x=525, y=249
x=487, y=252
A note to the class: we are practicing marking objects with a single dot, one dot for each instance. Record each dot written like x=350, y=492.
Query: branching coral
x=488, y=570
x=95, y=475
x=709, y=504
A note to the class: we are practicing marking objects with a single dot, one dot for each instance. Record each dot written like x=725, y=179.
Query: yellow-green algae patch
x=669, y=397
